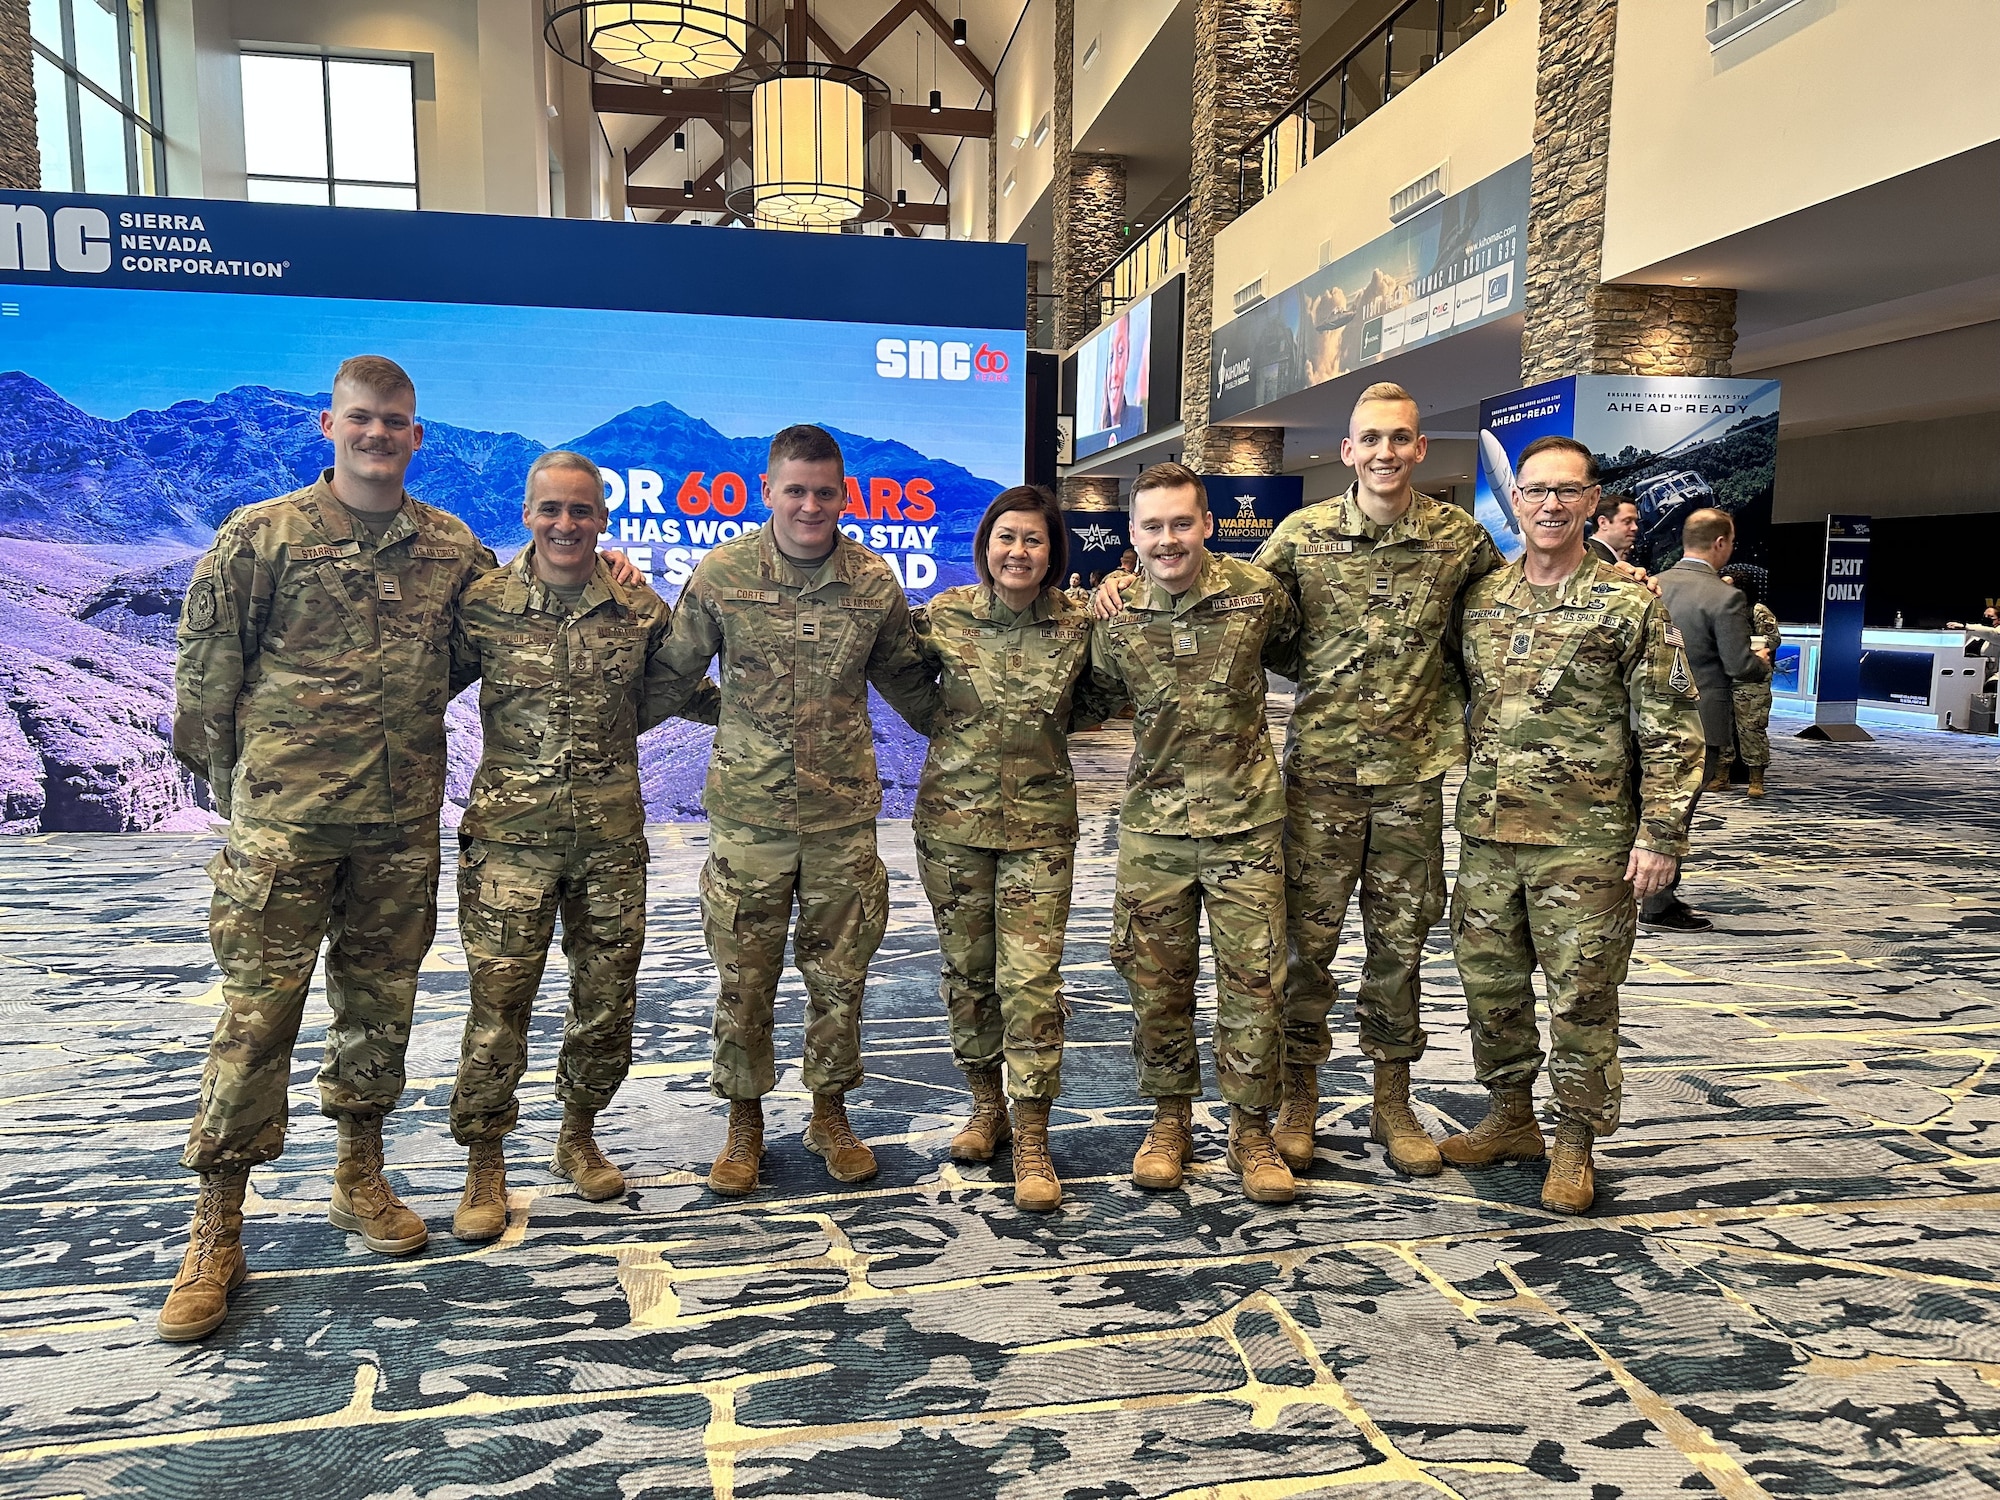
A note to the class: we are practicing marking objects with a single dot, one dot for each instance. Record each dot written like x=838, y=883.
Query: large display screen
x=1124, y=380
x=164, y=362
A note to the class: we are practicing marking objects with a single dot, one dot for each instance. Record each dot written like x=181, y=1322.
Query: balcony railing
x=1042, y=331
x=1153, y=257
x=1409, y=44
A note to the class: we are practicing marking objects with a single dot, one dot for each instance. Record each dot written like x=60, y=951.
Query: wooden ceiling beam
x=637, y=156
x=918, y=118
x=930, y=162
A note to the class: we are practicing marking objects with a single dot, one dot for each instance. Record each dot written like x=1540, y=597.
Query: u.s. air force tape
x=442, y=554
x=1238, y=601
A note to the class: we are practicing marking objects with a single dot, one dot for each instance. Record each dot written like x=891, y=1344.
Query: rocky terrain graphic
x=101, y=522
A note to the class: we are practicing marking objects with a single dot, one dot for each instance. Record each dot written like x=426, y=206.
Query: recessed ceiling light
x=1690, y=278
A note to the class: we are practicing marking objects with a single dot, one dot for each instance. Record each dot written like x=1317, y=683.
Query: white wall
x=1474, y=111
x=482, y=125
x=968, y=188
x=1122, y=29
x=1026, y=84
x=1825, y=98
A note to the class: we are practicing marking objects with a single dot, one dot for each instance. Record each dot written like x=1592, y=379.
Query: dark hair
x=1170, y=476
x=804, y=443
x=1607, y=505
x=1032, y=497
x=1705, y=528
x=376, y=375
x=1555, y=442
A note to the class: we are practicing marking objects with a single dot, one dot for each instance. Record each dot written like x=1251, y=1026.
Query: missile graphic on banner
x=1499, y=477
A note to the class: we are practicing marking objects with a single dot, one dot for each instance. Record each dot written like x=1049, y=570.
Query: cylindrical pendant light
x=808, y=150
x=664, y=41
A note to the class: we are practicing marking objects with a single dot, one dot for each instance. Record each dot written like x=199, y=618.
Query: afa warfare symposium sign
x=163, y=362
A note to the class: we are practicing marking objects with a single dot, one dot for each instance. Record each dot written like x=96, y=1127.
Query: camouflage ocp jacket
x=795, y=749
x=998, y=774
x=563, y=699
x=1558, y=685
x=1202, y=763
x=313, y=670
x=1380, y=696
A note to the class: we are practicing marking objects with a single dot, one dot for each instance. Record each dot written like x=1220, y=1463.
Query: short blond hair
x=376, y=374
x=1705, y=528
x=1388, y=390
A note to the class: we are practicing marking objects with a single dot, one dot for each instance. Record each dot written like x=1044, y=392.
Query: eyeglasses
x=1569, y=494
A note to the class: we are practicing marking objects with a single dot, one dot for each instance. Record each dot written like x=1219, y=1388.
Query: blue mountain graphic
x=172, y=475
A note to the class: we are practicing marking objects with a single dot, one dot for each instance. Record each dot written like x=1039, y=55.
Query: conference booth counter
x=1921, y=679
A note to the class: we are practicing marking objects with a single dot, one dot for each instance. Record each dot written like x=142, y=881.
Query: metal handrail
x=1165, y=241
x=1267, y=143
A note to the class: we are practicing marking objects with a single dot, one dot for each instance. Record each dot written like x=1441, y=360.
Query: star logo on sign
x=1246, y=507
x=1096, y=538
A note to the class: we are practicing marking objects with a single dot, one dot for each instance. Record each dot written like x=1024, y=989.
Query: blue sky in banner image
x=549, y=374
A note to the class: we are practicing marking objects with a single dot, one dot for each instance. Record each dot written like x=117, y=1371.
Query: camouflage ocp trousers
x=1389, y=840
x=752, y=877
x=1001, y=916
x=1164, y=883
x=370, y=891
x=508, y=898
x=1753, y=722
x=1570, y=911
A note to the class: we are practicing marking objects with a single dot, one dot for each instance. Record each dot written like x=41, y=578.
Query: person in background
x=1752, y=700
x=1712, y=621
x=1617, y=528
x=995, y=825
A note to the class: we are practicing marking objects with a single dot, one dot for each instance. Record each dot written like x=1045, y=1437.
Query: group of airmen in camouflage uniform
x=326, y=630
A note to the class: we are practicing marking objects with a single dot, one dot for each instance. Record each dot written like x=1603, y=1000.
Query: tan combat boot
x=1756, y=787
x=363, y=1202
x=1036, y=1186
x=735, y=1170
x=482, y=1208
x=1719, y=782
x=213, y=1266
x=1508, y=1133
x=988, y=1127
x=1571, y=1185
x=1255, y=1159
x=829, y=1135
x=1298, y=1115
x=1168, y=1146
x=578, y=1158
x=1394, y=1124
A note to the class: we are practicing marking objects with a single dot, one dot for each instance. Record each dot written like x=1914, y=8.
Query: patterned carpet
x=1792, y=1285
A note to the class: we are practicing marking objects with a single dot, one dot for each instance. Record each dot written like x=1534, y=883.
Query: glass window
x=96, y=115
x=340, y=130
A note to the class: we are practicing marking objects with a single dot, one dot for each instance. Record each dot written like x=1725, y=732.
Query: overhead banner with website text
x=1672, y=443
x=1451, y=267
x=163, y=362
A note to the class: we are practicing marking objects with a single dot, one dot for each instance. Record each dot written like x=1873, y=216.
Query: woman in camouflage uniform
x=1753, y=699
x=996, y=823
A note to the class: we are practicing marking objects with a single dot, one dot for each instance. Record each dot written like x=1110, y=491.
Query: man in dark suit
x=1713, y=620
x=1615, y=529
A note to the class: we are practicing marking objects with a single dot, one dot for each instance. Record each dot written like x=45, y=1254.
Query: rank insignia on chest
x=1379, y=589
x=390, y=587
x=1520, y=643
x=1184, y=643
x=808, y=627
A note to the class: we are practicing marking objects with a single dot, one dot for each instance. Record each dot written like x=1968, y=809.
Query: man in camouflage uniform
x=1579, y=690
x=1376, y=574
x=804, y=619
x=555, y=823
x=310, y=692
x=1752, y=700
x=996, y=828
x=1201, y=827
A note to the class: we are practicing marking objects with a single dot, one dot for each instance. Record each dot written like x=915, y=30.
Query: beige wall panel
x=1122, y=30
x=1026, y=86
x=1827, y=97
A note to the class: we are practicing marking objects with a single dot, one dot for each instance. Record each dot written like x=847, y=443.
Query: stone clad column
x=1246, y=56
x=1577, y=325
x=1088, y=199
x=20, y=155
